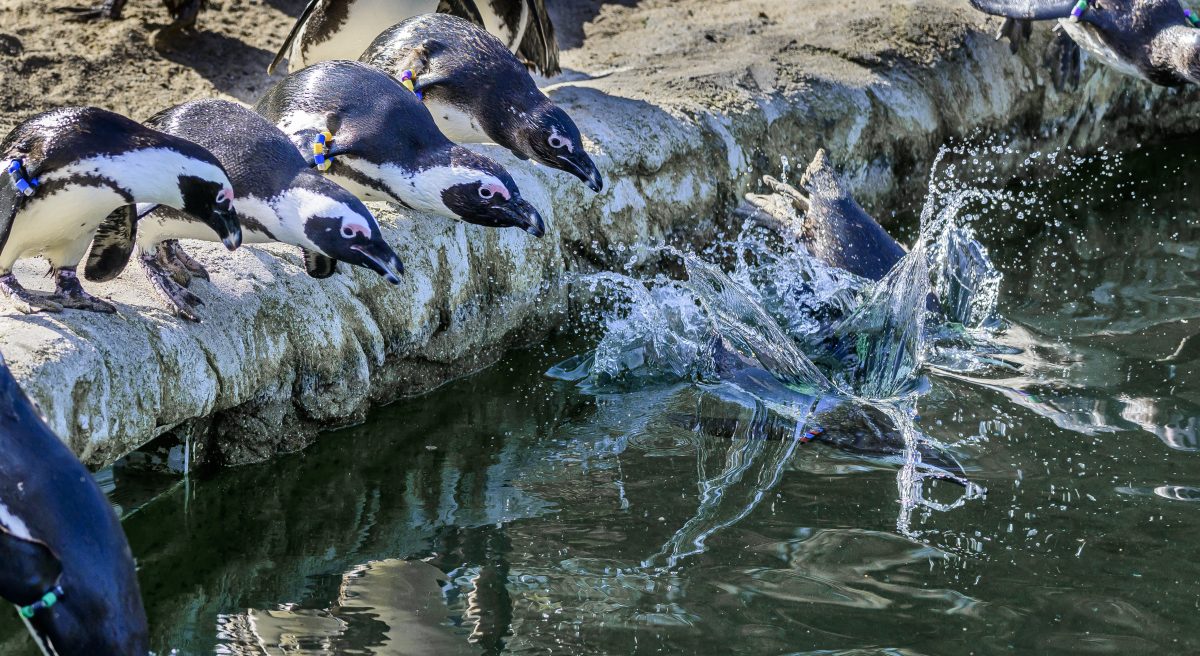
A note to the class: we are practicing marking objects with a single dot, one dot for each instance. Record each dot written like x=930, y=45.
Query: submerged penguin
x=341, y=29
x=1155, y=40
x=183, y=13
x=279, y=199
x=376, y=139
x=67, y=565
x=67, y=169
x=478, y=92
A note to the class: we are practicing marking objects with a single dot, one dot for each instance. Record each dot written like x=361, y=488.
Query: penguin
x=67, y=169
x=478, y=92
x=183, y=14
x=340, y=29
x=1154, y=40
x=279, y=198
x=67, y=565
x=835, y=228
x=375, y=138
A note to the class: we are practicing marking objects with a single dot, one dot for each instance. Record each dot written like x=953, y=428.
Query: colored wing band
x=811, y=434
x=48, y=600
x=1192, y=17
x=409, y=80
x=25, y=184
x=321, y=144
x=1077, y=11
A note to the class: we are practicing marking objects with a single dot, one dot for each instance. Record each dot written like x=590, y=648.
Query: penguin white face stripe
x=149, y=174
x=14, y=524
x=422, y=190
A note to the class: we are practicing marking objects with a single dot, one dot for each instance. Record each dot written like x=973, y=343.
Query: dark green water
x=507, y=512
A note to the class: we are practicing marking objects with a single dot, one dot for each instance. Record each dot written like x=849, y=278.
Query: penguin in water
x=67, y=565
x=1155, y=40
x=65, y=170
x=375, y=138
x=341, y=29
x=478, y=92
x=183, y=13
x=279, y=198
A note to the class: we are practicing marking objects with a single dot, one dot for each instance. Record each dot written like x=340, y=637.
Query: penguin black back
x=362, y=105
x=59, y=533
x=259, y=158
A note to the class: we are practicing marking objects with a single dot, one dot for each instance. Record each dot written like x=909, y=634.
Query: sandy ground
x=657, y=48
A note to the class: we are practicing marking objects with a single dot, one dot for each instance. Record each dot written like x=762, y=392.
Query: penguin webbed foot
x=182, y=267
x=1065, y=59
x=25, y=301
x=70, y=294
x=180, y=301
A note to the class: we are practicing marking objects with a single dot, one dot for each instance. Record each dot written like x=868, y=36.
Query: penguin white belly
x=365, y=20
x=161, y=225
x=59, y=226
x=511, y=35
x=1090, y=39
x=457, y=125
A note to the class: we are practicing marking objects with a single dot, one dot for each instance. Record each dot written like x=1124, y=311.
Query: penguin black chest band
x=408, y=80
x=47, y=601
x=25, y=184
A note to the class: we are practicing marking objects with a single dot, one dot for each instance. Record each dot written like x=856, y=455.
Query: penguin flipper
x=112, y=246
x=465, y=9
x=539, y=45
x=291, y=37
x=1026, y=9
x=319, y=266
x=30, y=568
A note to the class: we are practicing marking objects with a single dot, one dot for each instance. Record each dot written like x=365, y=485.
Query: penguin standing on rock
x=341, y=29
x=478, y=92
x=67, y=169
x=67, y=565
x=1155, y=40
x=279, y=198
x=375, y=138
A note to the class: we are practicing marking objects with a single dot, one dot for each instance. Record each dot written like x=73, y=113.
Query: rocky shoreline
x=686, y=105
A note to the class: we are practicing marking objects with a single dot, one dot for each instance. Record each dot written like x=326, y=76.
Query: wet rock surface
x=686, y=103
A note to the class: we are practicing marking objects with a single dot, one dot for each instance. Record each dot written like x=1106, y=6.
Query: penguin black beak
x=521, y=214
x=382, y=260
x=584, y=169
x=229, y=225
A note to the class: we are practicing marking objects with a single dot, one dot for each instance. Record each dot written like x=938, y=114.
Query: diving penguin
x=341, y=29
x=478, y=92
x=1155, y=40
x=279, y=198
x=65, y=170
x=376, y=139
x=67, y=565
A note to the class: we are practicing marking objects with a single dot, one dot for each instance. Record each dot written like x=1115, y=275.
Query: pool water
x=508, y=512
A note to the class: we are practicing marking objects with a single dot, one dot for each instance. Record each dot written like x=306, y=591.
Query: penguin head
x=550, y=137
x=210, y=198
x=478, y=190
x=339, y=226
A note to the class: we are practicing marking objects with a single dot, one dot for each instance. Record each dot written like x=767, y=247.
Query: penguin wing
x=291, y=37
x=1026, y=9
x=465, y=9
x=319, y=266
x=538, y=44
x=112, y=245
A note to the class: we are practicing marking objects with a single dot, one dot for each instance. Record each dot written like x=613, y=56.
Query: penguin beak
x=381, y=259
x=230, y=226
x=584, y=169
x=521, y=214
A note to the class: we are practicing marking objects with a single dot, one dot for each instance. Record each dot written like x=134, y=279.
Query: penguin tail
x=539, y=45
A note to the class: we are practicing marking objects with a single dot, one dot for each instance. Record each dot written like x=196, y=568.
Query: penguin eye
x=486, y=193
x=557, y=141
x=347, y=232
